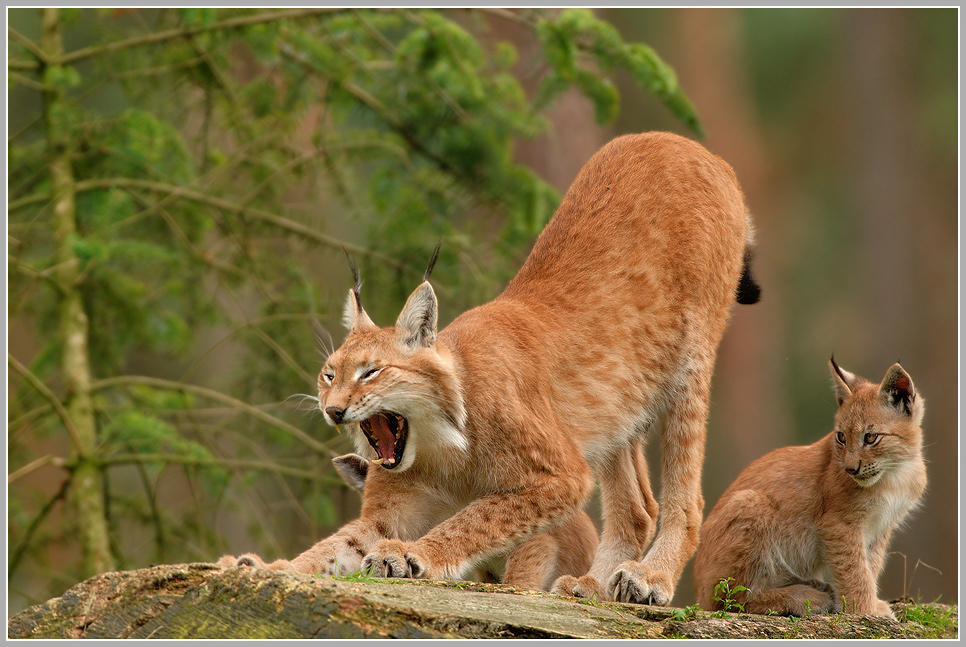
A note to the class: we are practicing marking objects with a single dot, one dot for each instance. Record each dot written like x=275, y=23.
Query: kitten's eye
x=871, y=438
x=839, y=436
x=369, y=373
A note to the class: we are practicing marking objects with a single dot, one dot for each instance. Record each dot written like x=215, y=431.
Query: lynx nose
x=854, y=470
x=336, y=413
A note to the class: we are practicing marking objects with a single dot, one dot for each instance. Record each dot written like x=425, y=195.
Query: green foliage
x=688, y=613
x=724, y=593
x=576, y=32
x=942, y=620
x=215, y=171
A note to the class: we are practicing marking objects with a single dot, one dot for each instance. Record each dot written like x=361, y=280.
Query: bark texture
x=202, y=601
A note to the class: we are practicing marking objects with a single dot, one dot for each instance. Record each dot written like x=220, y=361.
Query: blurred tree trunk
x=884, y=172
x=748, y=410
x=86, y=495
x=906, y=266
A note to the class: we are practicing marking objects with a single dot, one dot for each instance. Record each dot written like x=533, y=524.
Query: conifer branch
x=33, y=466
x=227, y=463
x=126, y=380
x=55, y=403
x=183, y=32
x=28, y=44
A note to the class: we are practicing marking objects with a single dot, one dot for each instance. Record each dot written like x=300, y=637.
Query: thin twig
x=126, y=380
x=172, y=34
x=28, y=44
x=26, y=81
x=176, y=191
x=34, y=525
x=48, y=395
x=227, y=463
x=32, y=466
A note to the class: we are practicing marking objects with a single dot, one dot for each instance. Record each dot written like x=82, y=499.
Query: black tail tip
x=749, y=291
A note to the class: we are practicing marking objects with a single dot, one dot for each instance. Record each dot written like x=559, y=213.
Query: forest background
x=180, y=183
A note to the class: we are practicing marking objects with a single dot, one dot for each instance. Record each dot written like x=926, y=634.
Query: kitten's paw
x=634, y=582
x=882, y=608
x=394, y=558
x=585, y=586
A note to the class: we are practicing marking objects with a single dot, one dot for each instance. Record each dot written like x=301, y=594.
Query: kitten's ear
x=354, y=317
x=844, y=382
x=353, y=469
x=417, y=321
x=898, y=391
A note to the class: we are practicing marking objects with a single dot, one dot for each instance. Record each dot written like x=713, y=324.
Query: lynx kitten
x=805, y=529
x=490, y=431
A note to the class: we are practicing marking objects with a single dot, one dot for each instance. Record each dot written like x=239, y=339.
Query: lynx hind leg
x=811, y=598
x=531, y=564
x=567, y=549
x=654, y=579
x=577, y=542
x=629, y=515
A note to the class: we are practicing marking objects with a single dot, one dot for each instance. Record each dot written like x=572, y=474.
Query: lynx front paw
x=585, y=586
x=634, y=582
x=394, y=558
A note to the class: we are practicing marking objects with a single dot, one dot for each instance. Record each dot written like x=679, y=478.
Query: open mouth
x=386, y=432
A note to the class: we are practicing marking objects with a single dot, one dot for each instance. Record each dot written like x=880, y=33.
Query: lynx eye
x=871, y=438
x=840, y=436
x=328, y=376
x=369, y=373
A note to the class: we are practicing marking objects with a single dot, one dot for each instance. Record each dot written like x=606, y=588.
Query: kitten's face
x=871, y=438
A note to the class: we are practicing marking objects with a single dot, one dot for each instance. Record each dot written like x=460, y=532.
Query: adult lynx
x=806, y=528
x=492, y=430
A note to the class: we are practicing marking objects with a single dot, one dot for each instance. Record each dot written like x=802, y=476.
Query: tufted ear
x=898, y=391
x=843, y=380
x=354, y=317
x=417, y=321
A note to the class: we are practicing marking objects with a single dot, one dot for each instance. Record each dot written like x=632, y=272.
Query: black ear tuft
x=843, y=381
x=432, y=261
x=354, y=315
x=356, y=277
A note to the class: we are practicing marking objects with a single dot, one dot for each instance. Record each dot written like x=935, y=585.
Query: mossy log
x=202, y=601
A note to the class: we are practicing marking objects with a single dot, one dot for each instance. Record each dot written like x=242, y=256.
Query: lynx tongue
x=383, y=435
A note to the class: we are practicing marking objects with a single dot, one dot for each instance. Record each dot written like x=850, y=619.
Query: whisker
x=303, y=398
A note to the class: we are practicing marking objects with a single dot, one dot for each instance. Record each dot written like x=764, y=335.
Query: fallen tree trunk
x=202, y=601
